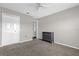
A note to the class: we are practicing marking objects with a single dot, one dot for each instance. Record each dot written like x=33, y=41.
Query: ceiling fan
x=40, y=5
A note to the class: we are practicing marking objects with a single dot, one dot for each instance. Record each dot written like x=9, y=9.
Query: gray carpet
x=37, y=48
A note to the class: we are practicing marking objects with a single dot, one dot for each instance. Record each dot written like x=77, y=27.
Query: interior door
x=10, y=29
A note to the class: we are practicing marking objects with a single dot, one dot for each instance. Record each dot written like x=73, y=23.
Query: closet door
x=10, y=29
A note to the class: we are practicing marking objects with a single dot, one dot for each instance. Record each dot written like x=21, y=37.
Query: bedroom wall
x=64, y=24
x=25, y=24
x=0, y=26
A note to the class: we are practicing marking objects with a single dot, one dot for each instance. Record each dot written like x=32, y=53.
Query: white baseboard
x=17, y=42
x=55, y=42
x=67, y=45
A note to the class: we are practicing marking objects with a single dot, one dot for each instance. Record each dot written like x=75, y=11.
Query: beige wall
x=64, y=24
x=25, y=24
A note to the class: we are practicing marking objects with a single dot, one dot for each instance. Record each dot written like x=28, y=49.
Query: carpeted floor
x=37, y=48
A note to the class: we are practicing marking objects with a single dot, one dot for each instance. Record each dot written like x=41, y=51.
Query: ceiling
x=31, y=8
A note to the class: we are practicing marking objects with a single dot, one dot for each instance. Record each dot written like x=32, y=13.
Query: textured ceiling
x=47, y=9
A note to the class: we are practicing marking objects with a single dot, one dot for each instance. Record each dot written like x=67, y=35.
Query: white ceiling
x=48, y=9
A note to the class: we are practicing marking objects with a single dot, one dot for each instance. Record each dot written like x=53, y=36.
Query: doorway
x=10, y=29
